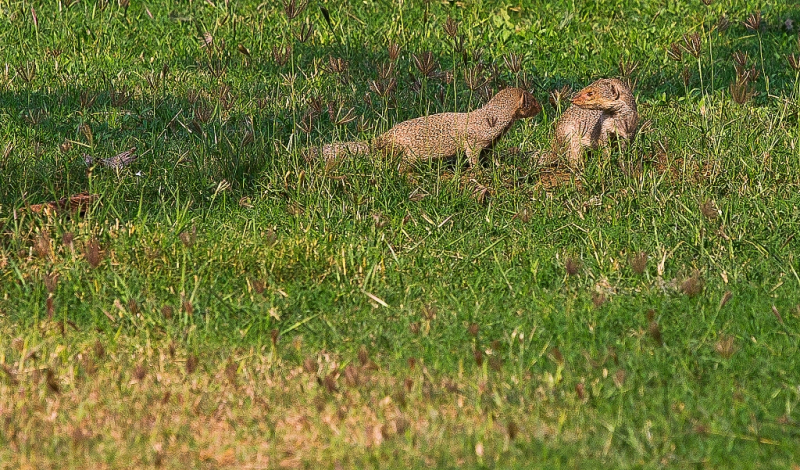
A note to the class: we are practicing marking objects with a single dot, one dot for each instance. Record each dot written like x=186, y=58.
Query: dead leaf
x=76, y=204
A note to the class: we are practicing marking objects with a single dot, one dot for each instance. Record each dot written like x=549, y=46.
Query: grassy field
x=224, y=303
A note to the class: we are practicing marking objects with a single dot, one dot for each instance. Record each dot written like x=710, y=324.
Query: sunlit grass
x=223, y=302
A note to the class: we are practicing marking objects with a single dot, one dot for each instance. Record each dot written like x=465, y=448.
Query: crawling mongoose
x=604, y=110
x=444, y=135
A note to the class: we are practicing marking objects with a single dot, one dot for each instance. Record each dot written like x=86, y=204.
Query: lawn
x=224, y=302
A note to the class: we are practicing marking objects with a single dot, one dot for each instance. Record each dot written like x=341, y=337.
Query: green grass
x=357, y=317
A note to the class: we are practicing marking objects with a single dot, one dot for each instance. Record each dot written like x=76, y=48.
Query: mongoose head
x=522, y=102
x=604, y=94
x=528, y=106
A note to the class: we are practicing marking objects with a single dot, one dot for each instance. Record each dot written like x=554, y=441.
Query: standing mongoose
x=444, y=135
x=604, y=110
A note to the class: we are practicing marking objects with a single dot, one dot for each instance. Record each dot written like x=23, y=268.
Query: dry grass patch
x=93, y=402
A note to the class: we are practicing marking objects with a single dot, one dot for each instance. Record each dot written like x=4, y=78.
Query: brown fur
x=444, y=135
x=601, y=112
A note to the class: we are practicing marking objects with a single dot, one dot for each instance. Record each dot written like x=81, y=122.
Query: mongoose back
x=444, y=135
x=604, y=110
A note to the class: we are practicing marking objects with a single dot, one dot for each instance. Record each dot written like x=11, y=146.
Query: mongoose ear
x=522, y=100
x=615, y=90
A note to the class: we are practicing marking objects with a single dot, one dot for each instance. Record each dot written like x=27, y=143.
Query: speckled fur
x=444, y=135
x=602, y=111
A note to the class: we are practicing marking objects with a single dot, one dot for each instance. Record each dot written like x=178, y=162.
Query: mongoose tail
x=334, y=153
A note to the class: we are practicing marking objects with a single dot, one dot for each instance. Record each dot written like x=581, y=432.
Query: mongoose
x=604, y=110
x=444, y=135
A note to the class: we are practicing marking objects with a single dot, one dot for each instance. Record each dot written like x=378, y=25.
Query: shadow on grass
x=190, y=143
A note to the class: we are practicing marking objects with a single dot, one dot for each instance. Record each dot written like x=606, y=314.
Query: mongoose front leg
x=473, y=153
x=622, y=143
x=611, y=140
x=575, y=150
x=606, y=151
